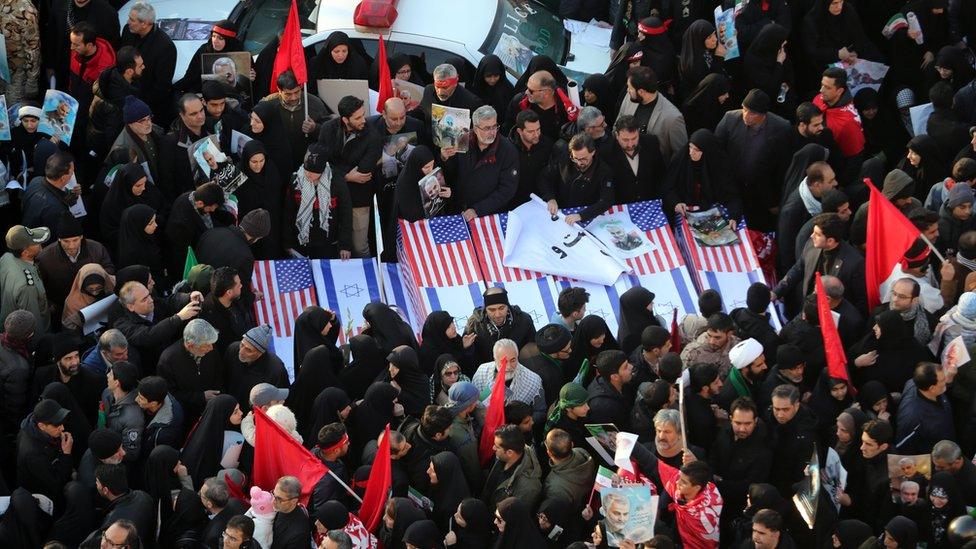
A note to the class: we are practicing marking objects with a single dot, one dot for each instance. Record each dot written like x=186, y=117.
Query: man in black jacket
x=192, y=368
x=122, y=414
x=740, y=457
x=635, y=161
x=581, y=180
x=353, y=150
x=802, y=204
x=247, y=363
x=159, y=54
x=701, y=414
x=144, y=332
x=225, y=117
x=607, y=402
x=870, y=492
x=189, y=127
x=125, y=503
x=44, y=451
x=220, y=506
x=193, y=212
x=535, y=154
x=109, y=93
x=231, y=247
x=789, y=370
x=486, y=175
x=84, y=385
x=222, y=309
x=498, y=319
x=544, y=96
x=163, y=414
x=333, y=445
x=752, y=321
x=792, y=438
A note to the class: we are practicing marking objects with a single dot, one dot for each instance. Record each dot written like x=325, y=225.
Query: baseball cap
x=20, y=237
x=49, y=411
x=263, y=393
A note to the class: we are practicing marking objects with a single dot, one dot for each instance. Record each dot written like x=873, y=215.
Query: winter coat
x=105, y=112
x=148, y=337
x=156, y=83
x=188, y=379
x=361, y=153
x=751, y=325
x=740, y=463
x=525, y=483
x=125, y=417
x=485, y=180
x=607, y=404
x=650, y=181
x=44, y=204
x=592, y=190
x=41, y=467
x=922, y=422
x=792, y=444
x=165, y=428
x=845, y=122
x=521, y=330
x=571, y=480
x=699, y=351
x=14, y=389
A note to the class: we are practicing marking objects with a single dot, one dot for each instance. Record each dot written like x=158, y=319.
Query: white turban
x=745, y=352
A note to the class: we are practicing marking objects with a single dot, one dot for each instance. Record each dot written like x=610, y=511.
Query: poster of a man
x=232, y=69
x=58, y=115
x=629, y=513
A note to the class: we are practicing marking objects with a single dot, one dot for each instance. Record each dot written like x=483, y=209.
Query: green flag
x=191, y=262
x=584, y=371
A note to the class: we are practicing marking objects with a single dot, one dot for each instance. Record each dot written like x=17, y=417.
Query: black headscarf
x=634, y=317
x=476, y=533
x=943, y=484
x=590, y=327
x=386, y=326
x=437, y=377
x=541, y=63
x=366, y=364
x=450, y=489
x=423, y=534
x=325, y=410
x=408, y=202
x=659, y=54
x=317, y=373
x=898, y=353
x=559, y=513
x=499, y=95
x=883, y=133
x=308, y=332
x=275, y=138
x=405, y=513
x=825, y=407
x=414, y=384
x=521, y=528
x=119, y=197
x=204, y=447
x=824, y=34
x=802, y=159
x=619, y=65
x=179, y=515
x=435, y=341
x=76, y=422
x=695, y=60
x=607, y=99
x=159, y=476
x=762, y=71
x=78, y=519
x=24, y=524
x=370, y=416
x=702, y=108
x=353, y=68
x=954, y=59
x=400, y=60
x=932, y=168
x=260, y=190
x=765, y=496
x=135, y=246
x=709, y=176
x=852, y=533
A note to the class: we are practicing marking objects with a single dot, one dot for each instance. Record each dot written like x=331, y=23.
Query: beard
x=68, y=372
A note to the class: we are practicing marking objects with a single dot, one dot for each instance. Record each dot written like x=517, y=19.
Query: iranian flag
x=895, y=24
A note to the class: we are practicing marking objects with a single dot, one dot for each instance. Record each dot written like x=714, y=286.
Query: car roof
x=415, y=17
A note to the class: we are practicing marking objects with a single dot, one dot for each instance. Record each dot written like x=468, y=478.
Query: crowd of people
x=140, y=431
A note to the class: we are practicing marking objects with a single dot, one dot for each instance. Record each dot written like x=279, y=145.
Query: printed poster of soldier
x=232, y=69
x=186, y=29
x=619, y=235
x=4, y=66
x=807, y=496
x=209, y=163
x=915, y=468
x=432, y=191
x=863, y=74
x=396, y=150
x=452, y=127
x=408, y=91
x=4, y=119
x=58, y=115
x=629, y=513
x=711, y=228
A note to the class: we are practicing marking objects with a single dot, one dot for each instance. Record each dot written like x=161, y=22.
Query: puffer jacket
x=125, y=417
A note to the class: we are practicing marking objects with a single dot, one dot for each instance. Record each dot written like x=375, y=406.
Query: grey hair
x=503, y=343
x=199, y=332
x=833, y=286
x=482, y=113
x=144, y=12
x=906, y=461
x=340, y=538
x=615, y=497
x=112, y=339
x=224, y=62
x=127, y=293
x=216, y=490
x=290, y=485
x=668, y=416
x=908, y=484
x=588, y=116
x=444, y=71
x=946, y=450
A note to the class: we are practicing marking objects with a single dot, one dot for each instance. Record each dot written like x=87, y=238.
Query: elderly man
x=192, y=368
x=669, y=446
x=59, y=262
x=543, y=96
x=579, y=179
x=140, y=327
x=948, y=456
x=617, y=516
x=220, y=506
x=47, y=199
x=851, y=323
x=159, y=54
x=654, y=113
x=291, y=526
x=248, y=363
x=122, y=414
x=111, y=348
x=144, y=137
x=760, y=143
x=521, y=384
x=446, y=91
x=486, y=175
x=498, y=319
x=21, y=286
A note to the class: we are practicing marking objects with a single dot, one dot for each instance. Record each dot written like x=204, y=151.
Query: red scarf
x=697, y=519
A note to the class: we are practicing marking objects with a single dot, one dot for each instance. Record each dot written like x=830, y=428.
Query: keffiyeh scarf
x=312, y=191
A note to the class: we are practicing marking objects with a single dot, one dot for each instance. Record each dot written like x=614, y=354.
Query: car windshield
x=523, y=29
x=264, y=19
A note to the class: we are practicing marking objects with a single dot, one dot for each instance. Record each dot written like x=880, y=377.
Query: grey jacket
x=125, y=417
x=666, y=123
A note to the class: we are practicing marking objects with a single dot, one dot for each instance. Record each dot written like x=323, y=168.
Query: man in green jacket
x=516, y=471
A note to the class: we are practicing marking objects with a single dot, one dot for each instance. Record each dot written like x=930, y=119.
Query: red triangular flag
x=675, y=333
x=277, y=454
x=833, y=348
x=494, y=416
x=386, y=82
x=890, y=234
x=290, y=54
x=378, y=486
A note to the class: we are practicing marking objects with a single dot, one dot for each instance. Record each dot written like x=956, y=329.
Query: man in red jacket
x=90, y=55
x=841, y=116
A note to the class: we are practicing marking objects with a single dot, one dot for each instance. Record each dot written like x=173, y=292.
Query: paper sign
x=97, y=313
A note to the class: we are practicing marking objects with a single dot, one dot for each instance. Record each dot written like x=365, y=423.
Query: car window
x=523, y=29
x=262, y=20
x=431, y=56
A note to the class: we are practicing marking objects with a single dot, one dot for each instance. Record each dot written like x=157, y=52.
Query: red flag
x=494, y=416
x=833, y=348
x=386, y=82
x=675, y=333
x=277, y=454
x=378, y=486
x=290, y=53
x=890, y=234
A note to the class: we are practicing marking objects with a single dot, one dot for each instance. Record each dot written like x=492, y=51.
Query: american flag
x=731, y=258
x=488, y=233
x=440, y=252
x=288, y=287
x=650, y=218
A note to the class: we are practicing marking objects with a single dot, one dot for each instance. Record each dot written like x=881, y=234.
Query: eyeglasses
x=530, y=91
x=487, y=128
x=280, y=499
x=111, y=544
x=451, y=373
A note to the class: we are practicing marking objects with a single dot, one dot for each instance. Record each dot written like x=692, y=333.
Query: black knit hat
x=756, y=101
x=553, y=338
x=757, y=297
x=103, y=443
